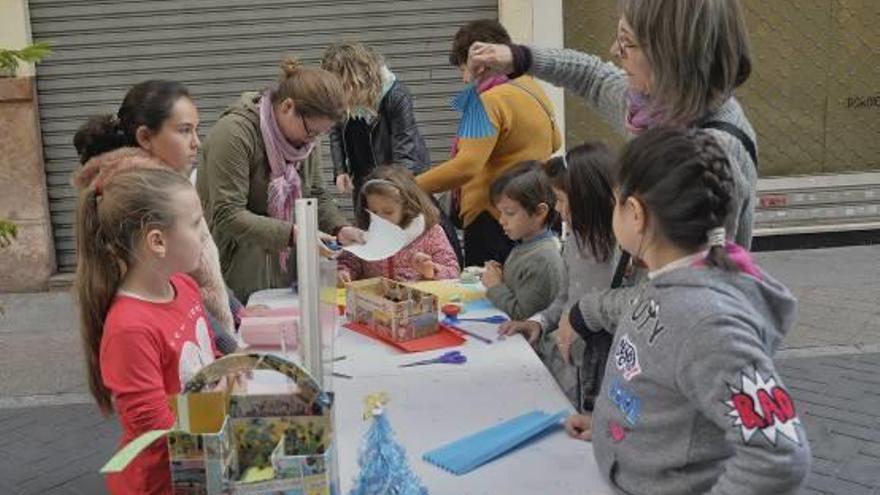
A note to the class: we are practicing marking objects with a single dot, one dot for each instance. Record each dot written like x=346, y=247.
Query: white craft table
x=436, y=404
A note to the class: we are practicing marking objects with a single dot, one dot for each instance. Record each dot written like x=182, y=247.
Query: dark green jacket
x=232, y=182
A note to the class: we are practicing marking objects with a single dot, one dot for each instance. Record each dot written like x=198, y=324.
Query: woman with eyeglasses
x=260, y=157
x=679, y=64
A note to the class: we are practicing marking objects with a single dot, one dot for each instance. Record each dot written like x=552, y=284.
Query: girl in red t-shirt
x=143, y=324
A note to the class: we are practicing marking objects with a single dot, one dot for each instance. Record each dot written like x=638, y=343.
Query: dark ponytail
x=584, y=173
x=683, y=178
x=146, y=104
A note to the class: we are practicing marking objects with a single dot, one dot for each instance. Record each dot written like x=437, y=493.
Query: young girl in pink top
x=143, y=323
x=391, y=193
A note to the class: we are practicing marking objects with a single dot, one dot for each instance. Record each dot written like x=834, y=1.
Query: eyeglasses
x=622, y=47
x=310, y=135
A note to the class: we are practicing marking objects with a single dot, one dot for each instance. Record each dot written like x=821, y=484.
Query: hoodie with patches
x=691, y=401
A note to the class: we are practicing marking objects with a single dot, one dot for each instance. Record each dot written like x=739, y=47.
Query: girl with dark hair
x=157, y=116
x=581, y=184
x=157, y=126
x=533, y=272
x=143, y=325
x=691, y=365
x=259, y=158
x=391, y=193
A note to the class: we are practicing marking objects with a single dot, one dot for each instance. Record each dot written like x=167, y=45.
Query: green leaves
x=10, y=60
x=8, y=232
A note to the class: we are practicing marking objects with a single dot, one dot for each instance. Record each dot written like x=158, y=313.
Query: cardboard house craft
x=394, y=310
x=238, y=443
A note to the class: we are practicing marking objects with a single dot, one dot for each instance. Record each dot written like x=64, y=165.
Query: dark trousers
x=484, y=240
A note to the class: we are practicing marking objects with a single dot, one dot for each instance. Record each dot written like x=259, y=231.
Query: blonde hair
x=397, y=182
x=315, y=91
x=112, y=215
x=698, y=51
x=360, y=69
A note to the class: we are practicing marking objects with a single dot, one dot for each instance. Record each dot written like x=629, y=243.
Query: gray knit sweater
x=604, y=85
x=533, y=275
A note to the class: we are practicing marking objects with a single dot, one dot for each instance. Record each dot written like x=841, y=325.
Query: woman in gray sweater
x=680, y=62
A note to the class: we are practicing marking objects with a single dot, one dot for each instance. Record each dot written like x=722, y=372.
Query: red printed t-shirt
x=149, y=351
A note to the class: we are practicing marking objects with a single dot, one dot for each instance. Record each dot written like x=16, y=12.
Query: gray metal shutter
x=220, y=48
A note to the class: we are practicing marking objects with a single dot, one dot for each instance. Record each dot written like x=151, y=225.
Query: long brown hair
x=584, y=173
x=698, y=51
x=397, y=182
x=112, y=215
x=315, y=91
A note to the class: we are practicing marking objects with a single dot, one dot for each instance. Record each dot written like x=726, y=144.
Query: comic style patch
x=626, y=401
x=626, y=358
x=762, y=405
x=616, y=431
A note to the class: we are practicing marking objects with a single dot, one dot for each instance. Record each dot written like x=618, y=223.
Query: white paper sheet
x=384, y=239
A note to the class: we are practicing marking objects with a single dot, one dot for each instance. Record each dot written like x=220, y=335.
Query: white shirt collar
x=679, y=263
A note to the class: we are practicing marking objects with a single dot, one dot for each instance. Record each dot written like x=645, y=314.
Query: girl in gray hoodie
x=691, y=401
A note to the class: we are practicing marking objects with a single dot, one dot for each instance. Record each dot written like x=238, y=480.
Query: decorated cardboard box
x=251, y=443
x=395, y=311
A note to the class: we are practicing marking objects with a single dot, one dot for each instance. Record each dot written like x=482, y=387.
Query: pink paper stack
x=268, y=328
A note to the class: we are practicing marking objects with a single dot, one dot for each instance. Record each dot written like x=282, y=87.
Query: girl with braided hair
x=690, y=369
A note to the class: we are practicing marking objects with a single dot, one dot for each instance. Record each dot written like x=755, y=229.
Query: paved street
x=54, y=440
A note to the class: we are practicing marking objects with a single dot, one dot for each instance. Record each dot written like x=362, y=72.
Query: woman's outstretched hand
x=487, y=59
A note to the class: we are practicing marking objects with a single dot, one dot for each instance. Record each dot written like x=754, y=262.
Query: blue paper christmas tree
x=384, y=468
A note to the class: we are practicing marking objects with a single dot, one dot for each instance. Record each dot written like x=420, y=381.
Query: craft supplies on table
x=464, y=455
x=395, y=311
x=233, y=441
x=443, y=338
x=452, y=357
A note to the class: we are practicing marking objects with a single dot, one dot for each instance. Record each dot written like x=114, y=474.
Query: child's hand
x=564, y=338
x=351, y=235
x=343, y=278
x=492, y=275
x=531, y=330
x=579, y=426
x=424, y=265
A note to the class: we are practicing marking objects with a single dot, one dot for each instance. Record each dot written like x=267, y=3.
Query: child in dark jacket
x=691, y=401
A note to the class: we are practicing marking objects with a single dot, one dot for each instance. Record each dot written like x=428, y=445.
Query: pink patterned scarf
x=639, y=114
x=285, y=159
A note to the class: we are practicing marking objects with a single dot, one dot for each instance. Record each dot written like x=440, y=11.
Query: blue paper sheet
x=466, y=454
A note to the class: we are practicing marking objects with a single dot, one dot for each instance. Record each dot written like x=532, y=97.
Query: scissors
x=452, y=357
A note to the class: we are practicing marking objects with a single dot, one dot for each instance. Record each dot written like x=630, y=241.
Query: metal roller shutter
x=220, y=48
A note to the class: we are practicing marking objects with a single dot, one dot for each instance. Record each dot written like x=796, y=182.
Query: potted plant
x=11, y=59
x=8, y=232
